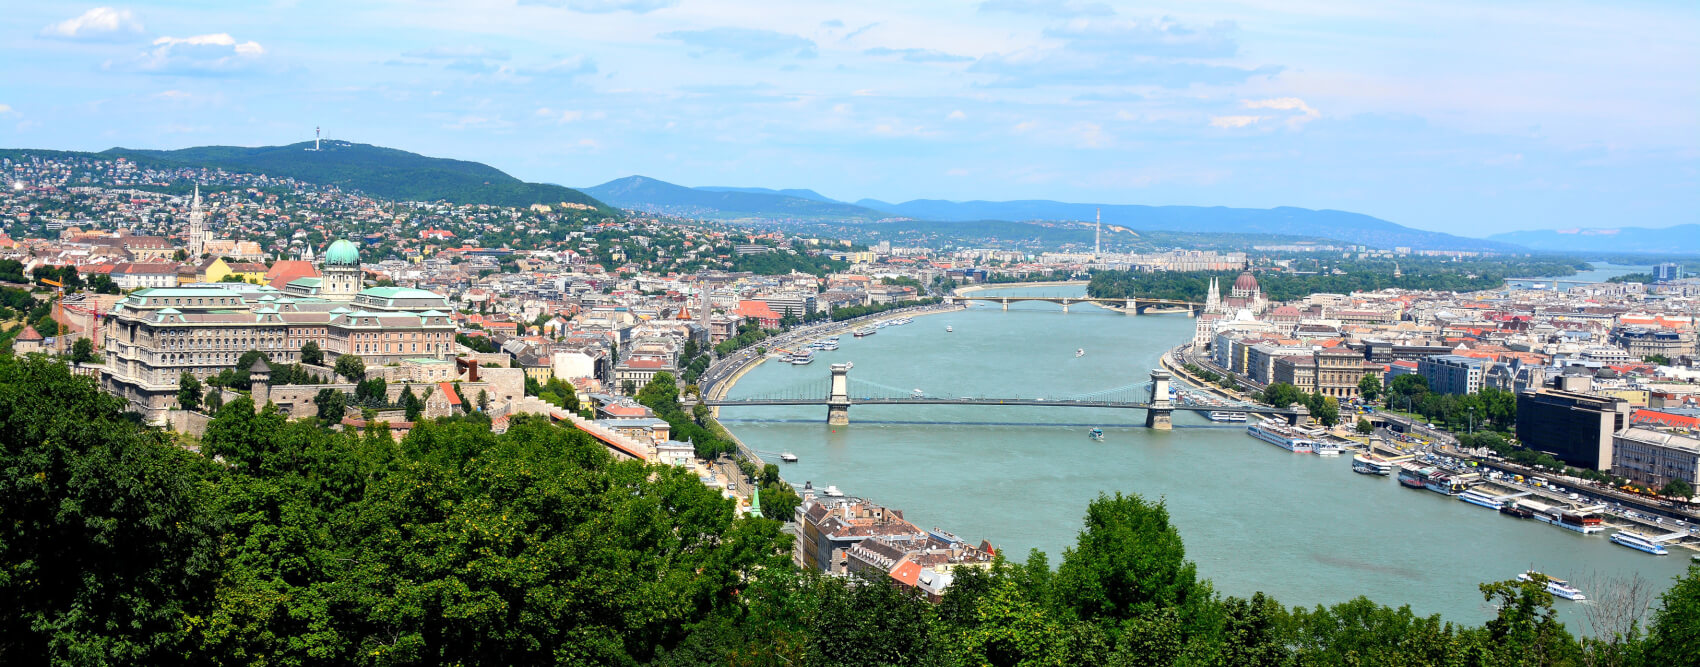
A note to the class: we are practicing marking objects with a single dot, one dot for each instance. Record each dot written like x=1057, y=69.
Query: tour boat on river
x=1370, y=464
x=864, y=332
x=1516, y=511
x=1226, y=416
x=1558, y=587
x=803, y=357
x=1581, y=523
x=1638, y=542
x=1276, y=433
x=1412, y=476
x=1481, y=498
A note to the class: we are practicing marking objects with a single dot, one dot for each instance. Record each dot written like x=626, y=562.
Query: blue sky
x=1465, y=117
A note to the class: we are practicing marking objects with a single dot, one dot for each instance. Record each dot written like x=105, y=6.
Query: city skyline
x=1452, y=118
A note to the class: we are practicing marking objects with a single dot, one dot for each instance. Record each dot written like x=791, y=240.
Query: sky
x=1466, y=117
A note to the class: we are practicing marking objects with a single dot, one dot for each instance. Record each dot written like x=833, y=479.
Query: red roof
x=286, y=271
x=448, y=390
x=1663, y=419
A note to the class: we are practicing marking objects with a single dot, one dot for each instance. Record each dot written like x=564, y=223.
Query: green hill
x=374, y=170
x=648, y=194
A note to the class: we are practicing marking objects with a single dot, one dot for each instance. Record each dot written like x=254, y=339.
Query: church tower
x=1213, y=301
x=197, y=227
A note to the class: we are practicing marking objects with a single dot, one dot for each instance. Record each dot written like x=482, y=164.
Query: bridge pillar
x=1065, y=306
x=1133, y=306
x=1005, y=303
x=838, y=398
x=1158, y=416
x=1190, y=312
x=1300, y=416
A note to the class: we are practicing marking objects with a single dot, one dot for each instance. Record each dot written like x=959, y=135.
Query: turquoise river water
x=1254, y=517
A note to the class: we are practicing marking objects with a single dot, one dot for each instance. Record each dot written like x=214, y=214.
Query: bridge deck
x=1014, y=402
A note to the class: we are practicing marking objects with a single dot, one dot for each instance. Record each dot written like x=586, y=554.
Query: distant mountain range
x=727, y=203
x=374, y=170
x=1678, y=239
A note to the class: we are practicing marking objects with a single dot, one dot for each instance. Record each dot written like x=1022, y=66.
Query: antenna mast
x=316, y=134
x=1098, y=235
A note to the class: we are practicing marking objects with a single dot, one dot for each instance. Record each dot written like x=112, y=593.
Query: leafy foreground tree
x=285, y=543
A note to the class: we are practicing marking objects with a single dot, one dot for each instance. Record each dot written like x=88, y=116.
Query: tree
x=188, y=391
x=333, y=404
x=1281, y=394
x=312, y=355
x=1369, y=386
x=1674, y=636
x=1128, y=560
x=106, y=549
x=1410, y=386
x=1677, y=488
x=628, y=387
x=1325, y=409
x=82, y=351
x=483, y=401
x=351, y=367
x=410, y=403
x=1364, y=427
x=215, y=399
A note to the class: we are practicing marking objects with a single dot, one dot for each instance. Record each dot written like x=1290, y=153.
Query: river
x=1254, y=517
x=1596, y=272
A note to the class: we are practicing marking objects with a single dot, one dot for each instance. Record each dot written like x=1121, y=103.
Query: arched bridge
x=1154, y=397
x=1130, y=306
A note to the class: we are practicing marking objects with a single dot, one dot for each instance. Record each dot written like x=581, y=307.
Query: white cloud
x=1305, y=115
x=217, y=53
x=1234, y=121
x=98, y=24
x=560, y=116
x=5, y=109
x=956, y=115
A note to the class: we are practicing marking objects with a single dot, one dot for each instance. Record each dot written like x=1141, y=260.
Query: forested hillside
x=377, y=171
x=1319, y=276
x=283, y=543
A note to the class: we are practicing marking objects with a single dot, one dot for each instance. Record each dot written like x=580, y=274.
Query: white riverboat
x=1327, y=447
x=1582, y=523
x=1638, y=542
x=1481, y=498
x=1226, y=416
x=1370, y=464
x=803, y=357
x=1558, y=587
x=1278, y=434
x=788, y=457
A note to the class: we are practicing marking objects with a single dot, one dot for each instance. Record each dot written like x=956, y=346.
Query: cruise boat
x=1476, y=497
x=1638, y=542
x=1226, y=416
x=803, y=357
x=829, y=345
x=1558, y=587
x=1327, y=447
x=832, y=492
x=1414, y=477
x=788, y=457
x=1370, y=464
x=1277, y=433
x=1581, y=523
x=864, y=332
x=1097, y=434
x=1516, y=511
x=917, y=394
x=1444, y=484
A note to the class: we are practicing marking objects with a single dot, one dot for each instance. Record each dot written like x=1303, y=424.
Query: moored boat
x=1414, y=477
x=1514, y=510
x=864, y=332
x=1476, y=497
x=1582, y=523
x=1638, y=542
x=1557, y=587
x=1277, y=433
x=1370, y=464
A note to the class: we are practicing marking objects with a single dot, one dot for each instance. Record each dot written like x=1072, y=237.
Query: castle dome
x=1246, y=282
x=342, y=252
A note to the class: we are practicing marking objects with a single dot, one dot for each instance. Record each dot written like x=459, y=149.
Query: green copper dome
x=342, y=252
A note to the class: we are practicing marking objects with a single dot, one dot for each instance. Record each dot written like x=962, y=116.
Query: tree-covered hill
x=648, y=194
x=381, y=172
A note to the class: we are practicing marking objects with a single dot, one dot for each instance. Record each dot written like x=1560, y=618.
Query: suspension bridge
x=1154, y=397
